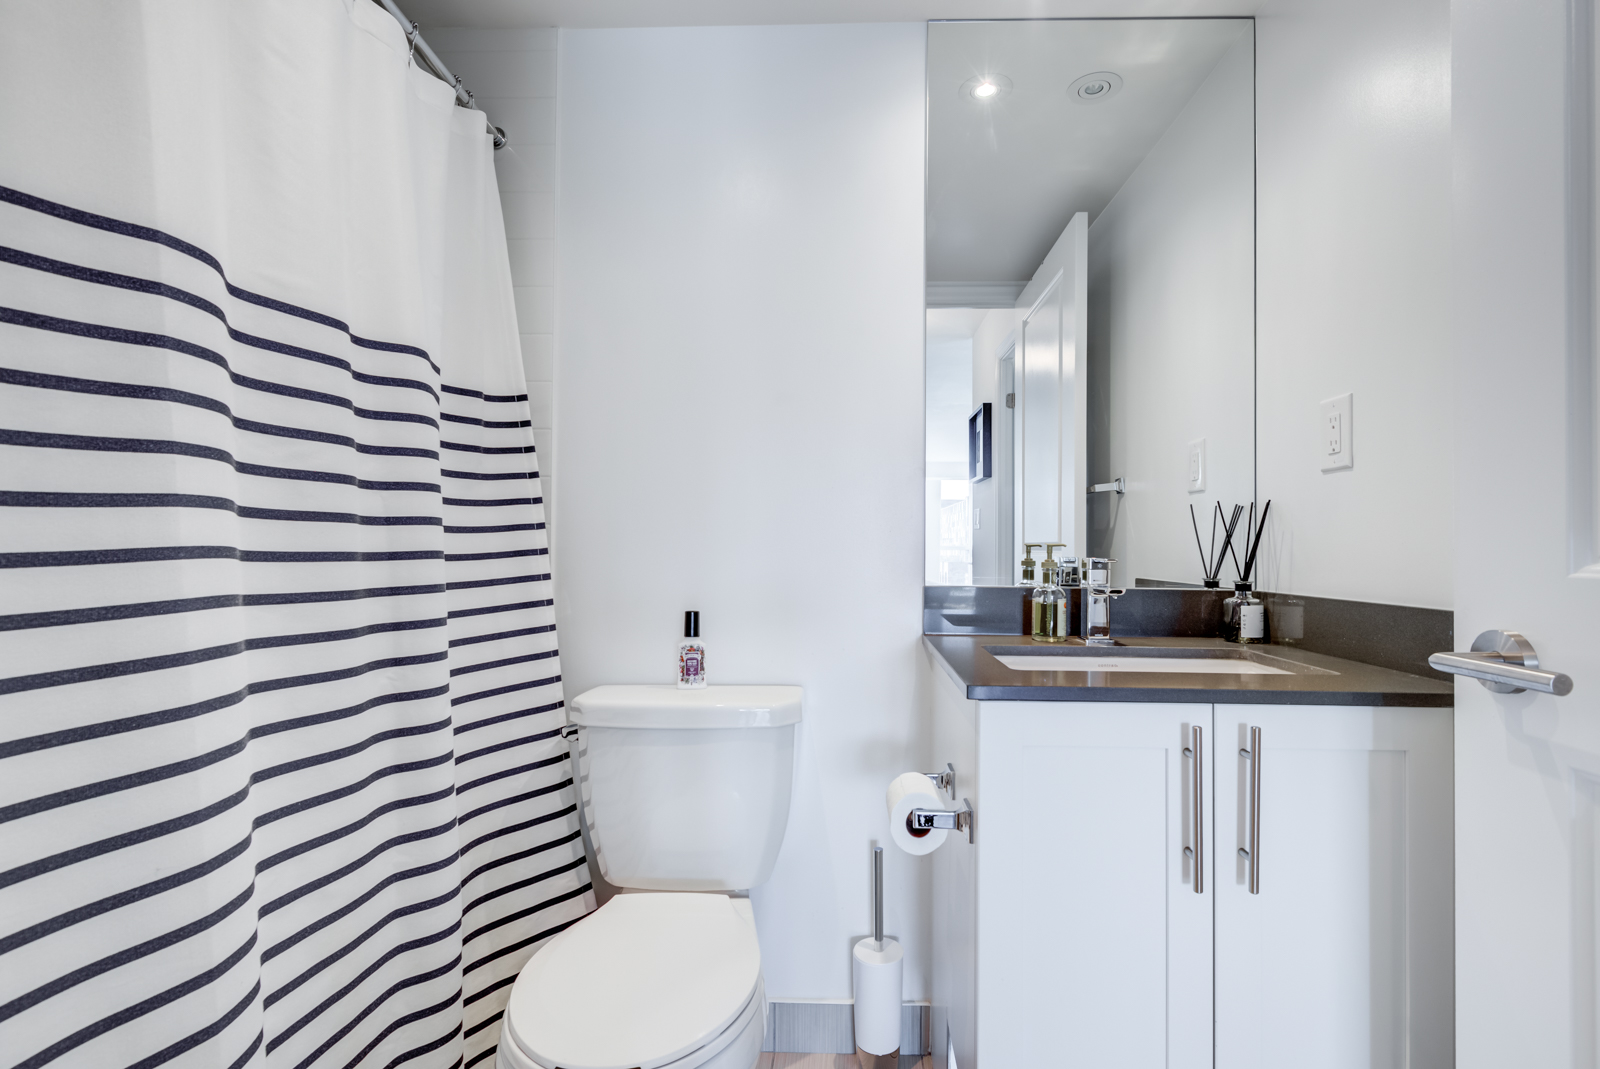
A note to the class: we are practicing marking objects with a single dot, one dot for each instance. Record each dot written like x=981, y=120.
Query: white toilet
x=685, y=793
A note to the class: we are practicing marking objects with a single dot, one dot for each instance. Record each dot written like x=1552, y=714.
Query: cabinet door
x=1093, y=947
x=1343, y=958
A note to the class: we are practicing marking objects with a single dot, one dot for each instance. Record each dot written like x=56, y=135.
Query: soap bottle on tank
x=691, y=654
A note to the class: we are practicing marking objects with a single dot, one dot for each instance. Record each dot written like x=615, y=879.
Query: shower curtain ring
x=411, y=57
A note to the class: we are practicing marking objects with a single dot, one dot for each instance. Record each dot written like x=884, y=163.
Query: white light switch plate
x=1197, y=465
x=1335, y=434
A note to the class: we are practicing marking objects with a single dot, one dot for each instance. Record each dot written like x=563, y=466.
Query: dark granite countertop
x=1329, y=681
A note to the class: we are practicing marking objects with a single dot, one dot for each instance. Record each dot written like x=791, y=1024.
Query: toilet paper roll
x=908, y=791
x=877, y=972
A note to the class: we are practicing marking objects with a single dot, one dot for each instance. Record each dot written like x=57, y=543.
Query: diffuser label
x=1253, y=621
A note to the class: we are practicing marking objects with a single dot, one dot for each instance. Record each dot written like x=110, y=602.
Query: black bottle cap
x=691, y=624
x=1242, y=587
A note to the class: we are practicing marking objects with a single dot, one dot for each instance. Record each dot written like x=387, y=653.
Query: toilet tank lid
x=665, y=706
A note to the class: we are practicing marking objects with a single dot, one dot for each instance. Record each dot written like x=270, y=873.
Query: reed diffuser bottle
x=1244, y=618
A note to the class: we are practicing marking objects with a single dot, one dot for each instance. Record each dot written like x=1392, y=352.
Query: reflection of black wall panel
x=980, y=443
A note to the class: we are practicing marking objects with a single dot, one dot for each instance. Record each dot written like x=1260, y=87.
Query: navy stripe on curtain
x=281, y=773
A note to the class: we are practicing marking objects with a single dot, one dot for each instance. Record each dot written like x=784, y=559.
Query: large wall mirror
x=1091, y=292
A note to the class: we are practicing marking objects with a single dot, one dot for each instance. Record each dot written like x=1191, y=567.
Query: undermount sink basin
x=1205, y=661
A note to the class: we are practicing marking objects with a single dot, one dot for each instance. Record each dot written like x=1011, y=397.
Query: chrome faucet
x=1098, y=594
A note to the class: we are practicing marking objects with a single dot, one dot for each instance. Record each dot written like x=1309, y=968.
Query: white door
x=1093, y=947
x=1527, y=765
x=1042, y=426
x=1340, y=957
x=1052, y=401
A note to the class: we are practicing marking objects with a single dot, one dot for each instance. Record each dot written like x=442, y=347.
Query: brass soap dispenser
x=1052, y=606
x=1028, y=564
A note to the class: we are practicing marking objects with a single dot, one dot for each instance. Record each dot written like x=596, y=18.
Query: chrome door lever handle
x=1504, y=662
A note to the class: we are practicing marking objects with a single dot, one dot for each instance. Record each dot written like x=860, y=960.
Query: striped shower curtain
x=281, y=774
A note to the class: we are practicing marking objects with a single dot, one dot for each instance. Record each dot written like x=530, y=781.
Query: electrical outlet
x=1337, y=434
x=1197, y=465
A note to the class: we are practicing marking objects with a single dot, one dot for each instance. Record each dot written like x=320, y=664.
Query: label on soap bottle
x=1252, y=621
x=691, y=665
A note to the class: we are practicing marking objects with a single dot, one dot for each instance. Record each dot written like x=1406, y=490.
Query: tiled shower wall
x=513, y=74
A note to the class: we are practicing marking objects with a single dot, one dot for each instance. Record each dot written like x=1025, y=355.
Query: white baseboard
x=827, y=1026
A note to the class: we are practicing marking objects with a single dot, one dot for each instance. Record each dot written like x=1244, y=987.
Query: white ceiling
x=953, y=324
x=494, y=14
x=1006, y=175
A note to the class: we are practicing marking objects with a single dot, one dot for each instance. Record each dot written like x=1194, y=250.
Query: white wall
x=1172, y=323
x=1353, y=143
x=739, y=405
x=513, y=74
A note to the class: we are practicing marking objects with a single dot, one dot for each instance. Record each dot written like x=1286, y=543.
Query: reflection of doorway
x=948, y=505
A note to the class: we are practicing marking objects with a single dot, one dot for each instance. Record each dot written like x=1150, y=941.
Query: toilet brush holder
x=877, y=969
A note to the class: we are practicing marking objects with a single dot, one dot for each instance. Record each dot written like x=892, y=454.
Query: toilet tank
x=686, y=790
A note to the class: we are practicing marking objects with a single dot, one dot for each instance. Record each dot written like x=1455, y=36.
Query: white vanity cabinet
x=1070, y=931
x=1091, y=939
x=1345, y=955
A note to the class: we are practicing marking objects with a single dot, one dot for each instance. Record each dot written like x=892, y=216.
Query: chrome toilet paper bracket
x=946, y=780
x=922, y=821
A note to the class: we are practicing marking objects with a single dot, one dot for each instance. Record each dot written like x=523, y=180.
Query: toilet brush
x=877, y=971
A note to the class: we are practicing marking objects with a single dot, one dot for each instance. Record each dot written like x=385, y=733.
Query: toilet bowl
x=648, y=980
x=685, y=798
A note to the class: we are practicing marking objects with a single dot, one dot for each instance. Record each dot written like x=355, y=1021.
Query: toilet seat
x=653, y=981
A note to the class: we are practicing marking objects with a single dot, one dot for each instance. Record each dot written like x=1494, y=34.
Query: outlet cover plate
x=1336, y=434
x=1197, y=465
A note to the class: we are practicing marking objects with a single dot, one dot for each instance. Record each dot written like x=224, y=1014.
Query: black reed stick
x=1232, y=526
x=1250, y=561
x=1204, y=564
x=1211, y=546
x=1223, y=551
x=1248, y=527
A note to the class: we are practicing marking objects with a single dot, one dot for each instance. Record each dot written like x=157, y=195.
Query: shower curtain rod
x=463, y=94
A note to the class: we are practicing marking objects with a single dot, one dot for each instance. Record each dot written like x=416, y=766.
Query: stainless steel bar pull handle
x=1504, y=662
x=1197, y=853
x=1252, y=853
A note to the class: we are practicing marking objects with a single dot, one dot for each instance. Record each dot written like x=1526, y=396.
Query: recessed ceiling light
x=986, y=87
x=1095, y=88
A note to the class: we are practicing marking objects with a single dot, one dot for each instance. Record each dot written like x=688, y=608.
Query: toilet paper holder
x=946, y=780
x=922, y=821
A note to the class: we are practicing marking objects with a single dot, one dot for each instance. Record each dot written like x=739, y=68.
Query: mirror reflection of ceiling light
x=986, y=87
x=1095, y=88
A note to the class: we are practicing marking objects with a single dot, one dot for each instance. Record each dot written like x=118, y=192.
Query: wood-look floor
x=833, y=1061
